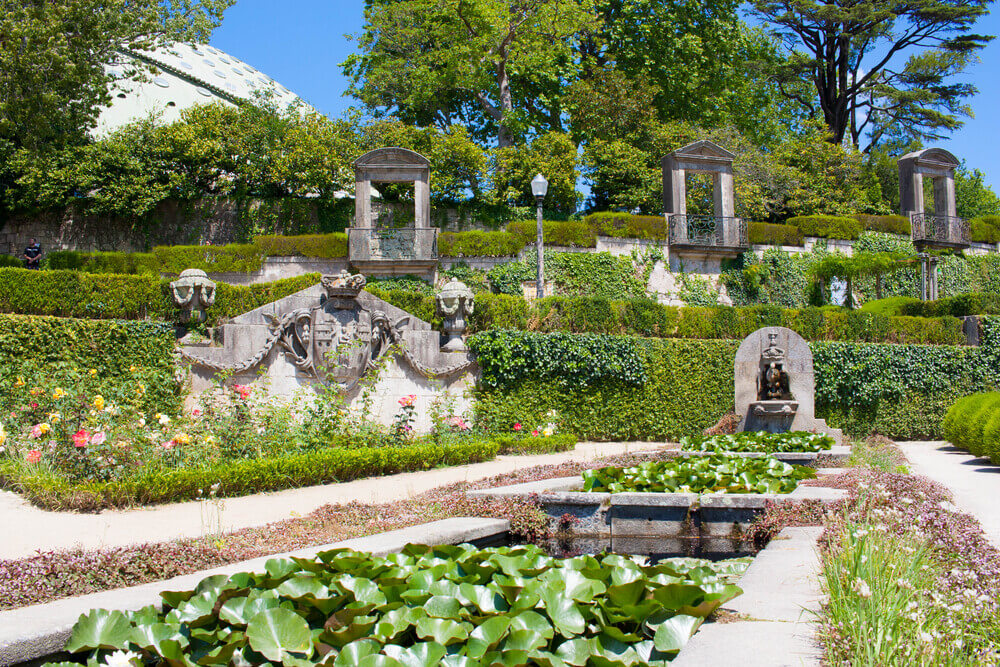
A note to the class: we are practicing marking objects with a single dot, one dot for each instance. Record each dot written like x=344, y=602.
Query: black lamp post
x=539, y=186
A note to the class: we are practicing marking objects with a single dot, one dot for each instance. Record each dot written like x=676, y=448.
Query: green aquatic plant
x=719, y=473
x=445, y=605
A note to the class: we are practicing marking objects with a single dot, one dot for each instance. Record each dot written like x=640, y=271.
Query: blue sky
x=301, y=44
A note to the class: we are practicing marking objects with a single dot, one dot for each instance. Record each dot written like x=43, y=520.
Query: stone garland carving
x=338, y=341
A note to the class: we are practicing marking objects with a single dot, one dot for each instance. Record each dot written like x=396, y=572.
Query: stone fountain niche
x=775, y=384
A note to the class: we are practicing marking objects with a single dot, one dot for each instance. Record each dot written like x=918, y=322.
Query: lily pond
x=425, y=606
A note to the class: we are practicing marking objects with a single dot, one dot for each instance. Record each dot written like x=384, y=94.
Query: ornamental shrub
x=985, y=231
x=967, y=422
x=104, y=262
x=764, y=233
x=479, y=244
x=8, y=261
x=235, y=257
x=327, y=246
x=75, y=294
x=890, y=224
x=554, y=232
x=827, y=226
x=902, y=391
x=62, y=351
x=626, y=225
x=894, y=306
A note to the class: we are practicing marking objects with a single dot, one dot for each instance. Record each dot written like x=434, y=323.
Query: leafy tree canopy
x=878, y=70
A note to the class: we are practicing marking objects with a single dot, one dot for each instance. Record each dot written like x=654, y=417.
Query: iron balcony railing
x=708, y=231
x=386, y=243
x=933, y=229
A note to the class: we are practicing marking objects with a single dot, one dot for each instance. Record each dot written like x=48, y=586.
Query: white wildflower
x=862, y=588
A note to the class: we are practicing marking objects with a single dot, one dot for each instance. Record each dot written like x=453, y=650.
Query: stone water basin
x=708, y=525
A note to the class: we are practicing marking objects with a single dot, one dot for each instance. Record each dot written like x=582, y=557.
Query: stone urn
x=193, y=292
x=455, y=302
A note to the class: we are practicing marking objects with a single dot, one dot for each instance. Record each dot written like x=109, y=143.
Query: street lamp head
x=539, y=186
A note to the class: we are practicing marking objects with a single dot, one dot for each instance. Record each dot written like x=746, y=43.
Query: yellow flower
x=54, y=417
x=140, y=390
x=133, y=369
x=58, y=393
x=44, y=428
x=3, y=435
x=98, y=403
x=93, y=372
x=182, y=439
x=20, y=381
x=37, y=391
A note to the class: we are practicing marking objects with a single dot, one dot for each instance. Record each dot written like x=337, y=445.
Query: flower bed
x=907, y=579
x=760, y=441
x=71, y=448
x=700, y=474
x=449, y=605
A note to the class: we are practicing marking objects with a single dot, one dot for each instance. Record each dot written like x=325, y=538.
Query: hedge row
x=243, y=477
x=235, y=257
x=901, y=391
x=55, y=350
x=973, y=423
x=647, y=318
x=67, y=293
x=985, y=229
x=763, y=233
x=248, y=257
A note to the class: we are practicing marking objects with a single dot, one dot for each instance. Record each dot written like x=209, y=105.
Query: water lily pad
x=275, y=633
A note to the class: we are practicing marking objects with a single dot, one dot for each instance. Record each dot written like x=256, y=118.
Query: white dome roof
x=185, y=75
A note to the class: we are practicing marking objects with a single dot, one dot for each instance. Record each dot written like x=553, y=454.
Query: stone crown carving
x=343, y=285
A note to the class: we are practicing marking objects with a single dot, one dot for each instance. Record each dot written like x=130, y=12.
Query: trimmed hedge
x=126, y=297
x=647, y=318
x=973, y=423
x=985, y=229
x=8, y=261
x=231, y=258
x=954, y=306
x=54, y=349
x=827, y=226
x=479, y=244
x=554, y=232
x=890, y=224
x=763, y=233
x=76, y=294
x=243, y=477
x=898, y=390
x=626, y=225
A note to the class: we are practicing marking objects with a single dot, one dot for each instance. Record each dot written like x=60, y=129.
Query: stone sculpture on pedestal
x=455, y=303
x=775, y=384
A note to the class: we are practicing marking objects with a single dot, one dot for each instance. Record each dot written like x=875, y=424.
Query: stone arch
x=392, y=165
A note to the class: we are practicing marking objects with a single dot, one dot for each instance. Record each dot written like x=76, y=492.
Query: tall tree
x=881, y=69
x=54, y=58
x=494, y=65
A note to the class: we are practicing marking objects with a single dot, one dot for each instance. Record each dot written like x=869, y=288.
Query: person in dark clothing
x=33, y=255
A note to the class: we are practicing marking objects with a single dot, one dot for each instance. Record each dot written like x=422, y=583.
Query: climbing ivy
x=574, y=274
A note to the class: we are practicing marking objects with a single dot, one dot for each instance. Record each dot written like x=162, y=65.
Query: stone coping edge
x=558, y=491
x=28, y=633
x=781, y=593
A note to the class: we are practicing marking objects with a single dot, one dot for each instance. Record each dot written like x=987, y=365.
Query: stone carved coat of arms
x=339, y=340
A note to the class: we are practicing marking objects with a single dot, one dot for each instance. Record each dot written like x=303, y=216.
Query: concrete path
x=25, y=529
x=974, y=482
x=781, y=597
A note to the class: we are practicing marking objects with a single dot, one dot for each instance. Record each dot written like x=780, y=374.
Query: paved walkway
x=974, y=482
x=25, y=529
